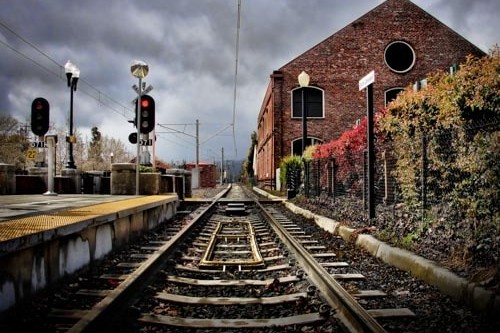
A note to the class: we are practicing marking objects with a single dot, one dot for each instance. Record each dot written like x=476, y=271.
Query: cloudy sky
x=190, y=47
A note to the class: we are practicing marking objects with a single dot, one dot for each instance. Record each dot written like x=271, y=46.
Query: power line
x=104, y=99
x=85, y=87
x=236, y=74
x=28, y=58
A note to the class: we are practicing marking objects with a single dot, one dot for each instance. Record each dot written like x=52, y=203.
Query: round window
x=399, y=56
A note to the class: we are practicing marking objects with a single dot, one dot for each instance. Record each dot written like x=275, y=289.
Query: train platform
x=26, y=215
x=44, y=238
x=17, y=206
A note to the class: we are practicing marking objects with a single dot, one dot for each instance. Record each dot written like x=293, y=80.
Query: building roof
x=200, y=163
x=398, y=8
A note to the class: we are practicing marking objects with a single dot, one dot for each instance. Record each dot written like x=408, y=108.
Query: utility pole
x=222, y=167
x=197, y=172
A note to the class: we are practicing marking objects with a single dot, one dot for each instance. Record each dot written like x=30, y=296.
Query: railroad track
x=235, y=265
x=337, y=288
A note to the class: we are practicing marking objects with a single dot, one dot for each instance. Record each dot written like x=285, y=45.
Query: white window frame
x=314, y=140
x=391, y=89
x=322, y=103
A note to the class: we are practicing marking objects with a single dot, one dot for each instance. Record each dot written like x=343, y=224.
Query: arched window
x=297, y=144
x=313, y=102
x=391, y=94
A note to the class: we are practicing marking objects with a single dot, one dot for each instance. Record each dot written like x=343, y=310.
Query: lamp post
x=140, y=70
x=304, y=83
x=72, y=74
x=111, y=157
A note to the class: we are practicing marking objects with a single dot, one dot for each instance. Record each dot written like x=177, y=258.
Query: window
x=313, y=102
x=391, y=94
x=399, y=57
x=297, y=145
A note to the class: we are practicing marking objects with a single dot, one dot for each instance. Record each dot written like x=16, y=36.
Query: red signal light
x=147, y=115
x=144, y=103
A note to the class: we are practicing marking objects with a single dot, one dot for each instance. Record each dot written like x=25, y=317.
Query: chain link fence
x=449, y=165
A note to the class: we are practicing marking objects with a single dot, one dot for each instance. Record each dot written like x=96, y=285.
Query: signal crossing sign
x=148, y=142
x=38, y=144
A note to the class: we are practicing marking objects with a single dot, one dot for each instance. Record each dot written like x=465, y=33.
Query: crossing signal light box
x=147, y=105
x=40, y=115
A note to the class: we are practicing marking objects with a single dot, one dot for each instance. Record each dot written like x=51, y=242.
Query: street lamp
x=140, y=70
x=72, y=74
x=304, y=82
x=111, y=157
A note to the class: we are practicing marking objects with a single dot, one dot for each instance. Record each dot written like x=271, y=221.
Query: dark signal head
x=40, y=116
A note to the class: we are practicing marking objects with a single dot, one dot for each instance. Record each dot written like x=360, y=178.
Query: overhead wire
x=232, y=125
x=236, y=75
x=107, y=101
x=6, y=27
x=101, y=97
x=28, y=58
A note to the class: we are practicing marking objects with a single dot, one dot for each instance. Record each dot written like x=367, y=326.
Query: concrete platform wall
x=50, y=257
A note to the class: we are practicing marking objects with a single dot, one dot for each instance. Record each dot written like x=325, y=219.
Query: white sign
x=144, y=142
x=367, y=80
x=38, y=144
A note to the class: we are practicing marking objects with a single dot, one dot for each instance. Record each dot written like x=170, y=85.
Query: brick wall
x=338, y=63
x=208, y=173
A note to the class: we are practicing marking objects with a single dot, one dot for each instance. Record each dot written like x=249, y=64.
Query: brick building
x=400, y=41
x=208, y=173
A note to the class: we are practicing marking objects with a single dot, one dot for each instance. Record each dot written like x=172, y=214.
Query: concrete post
x=122, y=178
x=7, y=179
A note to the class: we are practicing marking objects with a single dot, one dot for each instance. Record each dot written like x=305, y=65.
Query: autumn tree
x=457, y=117
x=102, y=151
x=348, y=153
x=14, y=142
x=453, y=126
x=95, y=148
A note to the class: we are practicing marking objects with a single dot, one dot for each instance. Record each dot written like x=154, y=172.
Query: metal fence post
x=424, y=175
x=365, y=179
x=318, y=178
x=332, y=159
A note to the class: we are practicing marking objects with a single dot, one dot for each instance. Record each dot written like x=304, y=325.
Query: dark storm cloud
x=190, y=48
x=476, y=20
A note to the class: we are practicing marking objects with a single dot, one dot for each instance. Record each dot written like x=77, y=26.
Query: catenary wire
x=101, y=97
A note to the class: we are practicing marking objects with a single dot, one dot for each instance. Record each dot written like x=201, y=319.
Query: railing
x=436, y=175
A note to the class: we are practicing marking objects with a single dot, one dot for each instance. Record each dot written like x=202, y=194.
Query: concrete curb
x=449, y=283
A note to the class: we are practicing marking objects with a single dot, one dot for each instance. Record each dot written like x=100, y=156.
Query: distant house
x=400, y=41
x=208, y=173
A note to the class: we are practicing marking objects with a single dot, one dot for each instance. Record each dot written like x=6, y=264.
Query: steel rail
x=96, y=317
x=210, y=259
x=348, y=311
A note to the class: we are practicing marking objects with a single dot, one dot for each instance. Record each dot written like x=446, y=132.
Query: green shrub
x=289, y=166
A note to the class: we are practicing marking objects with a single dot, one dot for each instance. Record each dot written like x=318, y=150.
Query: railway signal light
x=40, y=116
x=147, y=106
x=132, y=138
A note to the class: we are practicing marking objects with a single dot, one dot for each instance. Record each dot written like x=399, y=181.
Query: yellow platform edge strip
x=24, y=226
